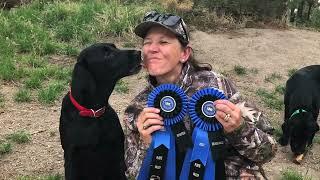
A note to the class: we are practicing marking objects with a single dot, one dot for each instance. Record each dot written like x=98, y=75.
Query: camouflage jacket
x=253, y=145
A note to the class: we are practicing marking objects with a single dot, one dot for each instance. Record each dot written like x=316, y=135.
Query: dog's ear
x=83, y=78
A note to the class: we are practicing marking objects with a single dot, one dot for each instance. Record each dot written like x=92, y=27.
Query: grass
x=63, y=74
x=291, y=71
x=277, y=131
x=122, y=87
x=23, y=95
x=51, y=93
x=280, y=89
x=270, y=99
x=291, y=174
x=240, y=70
x=32, y=33
x=272, y=77
x=32, y=61
x=34, y=82
x=19, y=137
x=5, y=147
x=45, y=177
x=316, y=139
x=9, y=71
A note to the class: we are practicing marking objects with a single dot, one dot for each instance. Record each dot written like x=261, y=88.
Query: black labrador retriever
x=302, y=103
x=90, y=131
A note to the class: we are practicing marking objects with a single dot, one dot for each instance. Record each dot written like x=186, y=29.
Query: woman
x=167, y=57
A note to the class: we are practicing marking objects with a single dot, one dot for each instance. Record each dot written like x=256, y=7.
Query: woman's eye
x=164, y=42
x=146, y=43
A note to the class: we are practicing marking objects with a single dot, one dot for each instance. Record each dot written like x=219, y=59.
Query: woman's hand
x=148, y=122
x=228, y=114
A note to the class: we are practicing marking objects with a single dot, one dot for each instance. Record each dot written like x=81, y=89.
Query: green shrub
x=122, y=86
x=315, y=18
x=240, y=70
x=5, y=147
x=35, y=81
x=272, y=77
x=270, y=99
x=291, y=71
x=19, y=137
x=280, y=89
x=45, y=177
x=30, y=34
x=63, y=74
x=51, y=93
x=291, y=174
x=7, y=70
x=316, y=139
x=23, y=95
x=277, y=132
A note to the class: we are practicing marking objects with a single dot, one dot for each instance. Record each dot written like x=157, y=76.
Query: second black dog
x=90, y=131
x=302, y=103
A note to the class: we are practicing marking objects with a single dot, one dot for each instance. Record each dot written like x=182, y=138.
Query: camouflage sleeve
x=251, y=139
x=135, y=149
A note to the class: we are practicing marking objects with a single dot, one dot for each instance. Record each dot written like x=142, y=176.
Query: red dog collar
x=84, y=112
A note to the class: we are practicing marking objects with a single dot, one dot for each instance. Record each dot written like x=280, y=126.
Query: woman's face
x=163, y=54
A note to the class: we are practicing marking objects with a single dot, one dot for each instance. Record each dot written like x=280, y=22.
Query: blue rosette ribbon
x=205, y=159
x=160, y=160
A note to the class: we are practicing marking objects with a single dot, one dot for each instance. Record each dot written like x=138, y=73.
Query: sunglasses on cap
x=174, y=22
x=165, y=19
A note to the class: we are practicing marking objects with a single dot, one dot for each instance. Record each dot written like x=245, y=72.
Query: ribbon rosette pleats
x=205, y=159
x=160, y=160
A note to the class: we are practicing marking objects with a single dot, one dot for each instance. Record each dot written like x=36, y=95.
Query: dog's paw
x=283, y=141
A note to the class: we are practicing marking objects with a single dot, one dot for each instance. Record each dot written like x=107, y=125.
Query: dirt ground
x=264, y=51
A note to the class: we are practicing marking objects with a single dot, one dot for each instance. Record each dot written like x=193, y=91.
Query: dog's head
x=302, y=129
x=102, y=65
x=104, y=60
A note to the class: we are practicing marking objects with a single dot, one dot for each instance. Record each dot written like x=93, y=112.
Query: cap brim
x=142, y=29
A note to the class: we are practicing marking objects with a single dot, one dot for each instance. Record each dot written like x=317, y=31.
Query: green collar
x=297, y=112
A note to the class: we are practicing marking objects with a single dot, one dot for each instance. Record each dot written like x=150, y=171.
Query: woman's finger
x=151, y=110
x=224, y=108
x=152, y=129
x=145, y=113
x=152, y=122
x=229, y=121
x=152, y=116
x=225, y=102
x=220, y=115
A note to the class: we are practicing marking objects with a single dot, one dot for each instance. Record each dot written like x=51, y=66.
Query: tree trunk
x=310, y=4
x=300, y=11
x=292, y=15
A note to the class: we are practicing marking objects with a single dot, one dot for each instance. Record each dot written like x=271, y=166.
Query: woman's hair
x=198, y=66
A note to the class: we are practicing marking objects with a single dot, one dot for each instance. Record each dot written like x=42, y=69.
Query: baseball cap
x=171, y=22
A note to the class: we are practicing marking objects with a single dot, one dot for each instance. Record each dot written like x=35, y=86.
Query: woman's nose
x=154, y=47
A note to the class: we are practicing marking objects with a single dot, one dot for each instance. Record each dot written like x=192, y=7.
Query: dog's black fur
x=302, y=92
x=93, y=147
